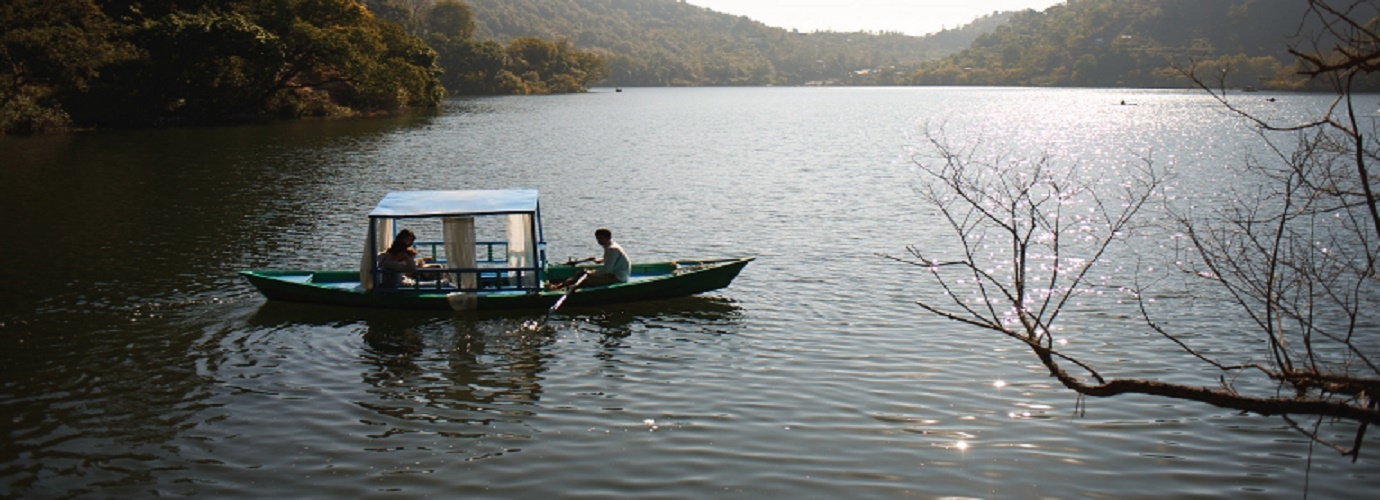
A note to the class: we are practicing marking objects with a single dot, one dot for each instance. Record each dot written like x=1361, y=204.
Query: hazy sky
x=912, y=17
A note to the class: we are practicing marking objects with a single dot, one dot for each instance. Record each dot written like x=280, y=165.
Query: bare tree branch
x=1293, y=250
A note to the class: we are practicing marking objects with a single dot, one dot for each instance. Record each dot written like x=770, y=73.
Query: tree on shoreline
x=77, y=63
x=527, y=65
x=1293, y=252
x=50, y=50
x=81, y=64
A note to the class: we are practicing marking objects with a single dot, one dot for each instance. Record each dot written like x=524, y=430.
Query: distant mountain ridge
x=1078, y=43
x=1140, y=43
x=670, y=42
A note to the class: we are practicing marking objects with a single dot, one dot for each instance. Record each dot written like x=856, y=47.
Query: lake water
x=136, y=363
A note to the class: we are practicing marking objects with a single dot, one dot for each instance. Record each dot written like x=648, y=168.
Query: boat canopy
x=464, y=263
x=399, y=204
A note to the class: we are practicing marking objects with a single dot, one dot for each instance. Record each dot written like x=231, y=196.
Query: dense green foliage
x=1134, y=43
x=668, y=42
x=84, y=63
x=1138, y=43
x=526, y=65
x=50, y=50
x=91, y=63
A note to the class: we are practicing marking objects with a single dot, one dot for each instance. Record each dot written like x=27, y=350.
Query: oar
x=561, y=300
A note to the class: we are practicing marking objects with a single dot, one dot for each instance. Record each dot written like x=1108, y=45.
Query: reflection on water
x=706, y=315
x=467, y=386
x=469, y=383
x=452, y=375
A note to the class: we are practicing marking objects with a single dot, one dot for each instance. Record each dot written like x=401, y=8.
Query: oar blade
x=561, y=300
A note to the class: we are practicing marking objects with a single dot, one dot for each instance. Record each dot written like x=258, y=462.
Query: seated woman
x=400, y=261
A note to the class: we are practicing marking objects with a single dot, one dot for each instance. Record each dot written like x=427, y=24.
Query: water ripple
x=146, y=367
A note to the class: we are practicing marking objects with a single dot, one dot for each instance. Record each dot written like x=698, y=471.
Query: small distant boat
x=473, y=274
x=619, y=89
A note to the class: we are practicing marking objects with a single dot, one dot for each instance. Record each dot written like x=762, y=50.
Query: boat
x=507, y=270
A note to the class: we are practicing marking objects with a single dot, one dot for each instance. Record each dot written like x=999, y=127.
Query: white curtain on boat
x=459, y=235
x=383, y=228
x=521, y=250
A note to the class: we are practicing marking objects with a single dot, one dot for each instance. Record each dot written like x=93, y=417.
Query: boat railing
x=450, y=279
x=485, y=251
x=491, y=274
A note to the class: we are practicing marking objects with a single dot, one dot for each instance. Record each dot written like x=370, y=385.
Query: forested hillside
x=120, y=63
x=470, y=66
x=89, y=63
x=669, y=42
x=1139, y=43
x=82, y=63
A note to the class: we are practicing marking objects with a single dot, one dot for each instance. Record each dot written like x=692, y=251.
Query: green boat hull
x=651, y=281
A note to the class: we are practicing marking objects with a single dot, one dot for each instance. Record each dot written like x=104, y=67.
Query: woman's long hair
x=399, y=247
